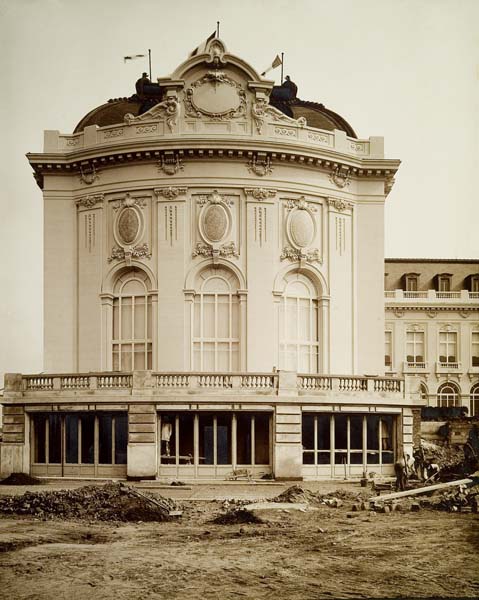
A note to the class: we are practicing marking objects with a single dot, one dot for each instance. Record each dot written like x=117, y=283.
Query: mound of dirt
x=21, y=479
x=109, y=502
x=238, y=516
x=297, y=495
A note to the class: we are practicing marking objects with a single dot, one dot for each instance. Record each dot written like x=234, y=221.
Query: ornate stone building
x=432, y=328
x=213, y=290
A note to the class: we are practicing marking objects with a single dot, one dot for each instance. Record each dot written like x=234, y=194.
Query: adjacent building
x=432, y=328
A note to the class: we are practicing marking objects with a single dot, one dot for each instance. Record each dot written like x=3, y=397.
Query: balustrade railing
x=35, y=382
x=107, y=382
x=315, y=382
x=353, y=384
x=247, y=383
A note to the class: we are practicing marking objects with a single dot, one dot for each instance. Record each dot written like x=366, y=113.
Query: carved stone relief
x=90, y=201
x=216, y=96
x=129, y=253
x=128, y=225
x=261, y=109
x=260, y=193
x=340, y=177
x=169, y=109
x=88, y=175
x=215, y=222
x=171, y=193
x=339, y=204
x=260, y=166
x=301, y=231
x=170, y=165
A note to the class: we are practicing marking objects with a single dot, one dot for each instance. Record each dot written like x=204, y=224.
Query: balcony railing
x=448, y=367
x=248, y=383
x=431, y=296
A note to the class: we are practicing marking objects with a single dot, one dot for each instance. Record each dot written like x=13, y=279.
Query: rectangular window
x=388, y=348
x=444, y=283
x=71, y=439
x=243, y=439
x=475, y=349
x=475, y=283
x=411, y=283
x=87, y=438
x=415, y=346
x=55, y=439
x=39, y=438
x=261, y=439
x=105, y=422
x=447, y=346
x=358, y=439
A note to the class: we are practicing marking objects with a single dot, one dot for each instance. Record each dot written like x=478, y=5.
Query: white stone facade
x=213, y=294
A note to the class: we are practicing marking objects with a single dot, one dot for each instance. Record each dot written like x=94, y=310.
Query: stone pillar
x=142, y=452
x=15, y=447
x=287, y=450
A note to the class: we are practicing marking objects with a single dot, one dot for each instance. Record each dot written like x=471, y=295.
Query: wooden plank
x=423, y=490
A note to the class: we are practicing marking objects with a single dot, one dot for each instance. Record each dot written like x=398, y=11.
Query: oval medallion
x=216, y=98
x=301, y=228
x=128, y=225
x=215, y=223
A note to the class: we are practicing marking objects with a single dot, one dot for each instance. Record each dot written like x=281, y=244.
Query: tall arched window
x=475, y=400
x=132, y=331
x=447, y=395
x=216, y=322
x=298, y=326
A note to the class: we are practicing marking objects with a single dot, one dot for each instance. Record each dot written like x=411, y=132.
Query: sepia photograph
x=239, y=350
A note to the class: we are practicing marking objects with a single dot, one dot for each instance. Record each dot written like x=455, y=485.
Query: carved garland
x=130, y=252
x=90, y=201
x=260, y=193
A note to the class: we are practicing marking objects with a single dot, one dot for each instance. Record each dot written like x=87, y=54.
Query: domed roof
x=110, y=113
x=282, y=97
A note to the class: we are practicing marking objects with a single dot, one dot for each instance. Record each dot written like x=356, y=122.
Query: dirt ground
x=321, y=553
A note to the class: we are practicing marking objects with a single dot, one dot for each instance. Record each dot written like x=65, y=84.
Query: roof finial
x=217, y=29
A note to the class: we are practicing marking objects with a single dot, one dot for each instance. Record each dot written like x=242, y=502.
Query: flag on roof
x=202, y=47
x=133, y=56
x=276, y=62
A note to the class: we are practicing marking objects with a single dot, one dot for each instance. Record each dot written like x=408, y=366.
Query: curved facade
x=214, y=286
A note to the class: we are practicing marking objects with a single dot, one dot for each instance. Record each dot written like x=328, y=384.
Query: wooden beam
x=423, y=490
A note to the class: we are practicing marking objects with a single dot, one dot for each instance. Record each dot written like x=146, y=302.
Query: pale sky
x=404, y=69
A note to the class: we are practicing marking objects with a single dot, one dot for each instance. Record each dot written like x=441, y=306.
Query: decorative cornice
x=431, y=310
x=90, y=201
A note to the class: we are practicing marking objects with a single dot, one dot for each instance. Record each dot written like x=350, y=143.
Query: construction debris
x=422, y=490
x=109, y=502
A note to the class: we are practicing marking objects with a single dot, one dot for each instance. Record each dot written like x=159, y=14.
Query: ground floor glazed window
x=223, y=438
x=347, y=439
x=81, y=438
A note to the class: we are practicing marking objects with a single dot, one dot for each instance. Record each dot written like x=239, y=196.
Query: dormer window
x=443, y=282
x=472, y=283
x=410, y=282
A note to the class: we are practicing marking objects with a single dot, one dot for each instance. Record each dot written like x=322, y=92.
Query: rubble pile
x=297, y=494
x=237, y=516
x=464, y=499
x=109, y=502
x=449, y=459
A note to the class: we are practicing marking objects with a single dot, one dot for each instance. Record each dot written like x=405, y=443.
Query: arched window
x=216, y=326
x=475, y=400
x=447, y=395
x=132, y=331
x=298, y=326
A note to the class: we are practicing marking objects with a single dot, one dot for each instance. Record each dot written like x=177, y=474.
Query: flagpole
x=149, y=61
x=282, y=61
x=217, y=29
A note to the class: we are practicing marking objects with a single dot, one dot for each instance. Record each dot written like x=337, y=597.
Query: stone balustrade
x=165, y=383
x=406, y=297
